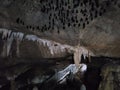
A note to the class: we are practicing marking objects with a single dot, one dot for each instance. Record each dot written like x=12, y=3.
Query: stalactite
x=18, y=45
x=50, y=44
x=53, y=48
x=9, y=43
x=78, y=52
x=9, y=40
x=4, y=52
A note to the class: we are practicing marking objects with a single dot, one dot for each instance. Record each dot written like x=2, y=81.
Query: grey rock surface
x=94, y=24
x=111, y=77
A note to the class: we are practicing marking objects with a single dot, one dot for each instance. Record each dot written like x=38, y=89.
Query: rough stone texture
x=94, y=24
x=103, y=35
x=111, y=77
x=28, y=48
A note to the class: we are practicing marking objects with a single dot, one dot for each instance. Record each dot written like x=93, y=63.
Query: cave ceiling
x=92, y=24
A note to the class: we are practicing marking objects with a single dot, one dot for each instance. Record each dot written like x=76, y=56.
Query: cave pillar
x=77, y=55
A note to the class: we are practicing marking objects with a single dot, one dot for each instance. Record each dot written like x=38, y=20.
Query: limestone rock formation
x=111, y=77
x=36, y=33
x=94, y=24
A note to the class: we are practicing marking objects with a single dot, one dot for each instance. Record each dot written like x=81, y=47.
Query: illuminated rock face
x=94, y=24
x=46, y=48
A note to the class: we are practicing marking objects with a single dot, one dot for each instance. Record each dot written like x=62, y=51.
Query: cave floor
x=25, y=71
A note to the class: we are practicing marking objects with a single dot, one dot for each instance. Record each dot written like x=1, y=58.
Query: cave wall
x=92, y=23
